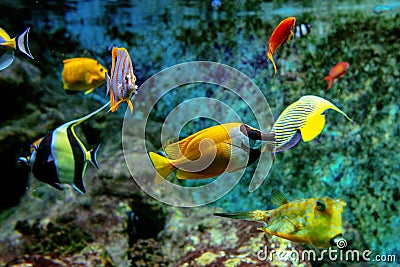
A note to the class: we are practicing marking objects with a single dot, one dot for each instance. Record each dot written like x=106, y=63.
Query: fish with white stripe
x=303, y=119
x=8, y=45
x=121, y=85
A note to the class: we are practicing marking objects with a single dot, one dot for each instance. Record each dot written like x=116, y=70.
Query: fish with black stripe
x=60, y=156
x=303, y=119
x=8, y=45
x=301, y=30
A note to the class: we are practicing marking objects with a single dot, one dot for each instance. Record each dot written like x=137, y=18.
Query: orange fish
x=282, y=33
x=121, y=85
x=336, y=72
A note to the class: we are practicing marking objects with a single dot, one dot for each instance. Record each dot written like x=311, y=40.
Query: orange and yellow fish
x=121, y=85
x=282, y=33
x=210, y=152
x=8, y=45
x=315, y=221
x=82, y=74
x=336, y=72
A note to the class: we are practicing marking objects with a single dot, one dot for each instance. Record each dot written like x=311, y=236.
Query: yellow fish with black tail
x=8, y=45
x=303, y=119
x=211, y=152
x=82, y=74
x=314, y=221
x=60, y=156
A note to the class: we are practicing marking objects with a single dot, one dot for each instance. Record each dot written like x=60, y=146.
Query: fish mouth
x=334, y=241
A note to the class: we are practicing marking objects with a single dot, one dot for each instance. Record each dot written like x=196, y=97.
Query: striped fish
x=8, y=45
x=60, y=156
x=302, y=30
x=121, y=85
x=303, y=119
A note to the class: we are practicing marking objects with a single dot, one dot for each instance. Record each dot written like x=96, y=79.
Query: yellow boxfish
x=82, y=74
x=210, y=152
x=303, y=119
x=314, y=221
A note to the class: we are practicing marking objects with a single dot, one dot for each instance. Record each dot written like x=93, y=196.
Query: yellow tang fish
x=314, y=221
x=304, y=119
x=210, y=152
x=8, y=45
x=121, y=85
x=82, y=74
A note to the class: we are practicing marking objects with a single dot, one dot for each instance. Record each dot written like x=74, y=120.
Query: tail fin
x=22, y=43
x=93, y=155
x=272, y=60
x=255, y=215
x=162, y=166
x=329, y=79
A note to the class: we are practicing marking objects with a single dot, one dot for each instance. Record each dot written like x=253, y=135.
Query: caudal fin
x=93, y=155
x=162, y=166
x=22, y=43
x=272, y=60
x=329, y=79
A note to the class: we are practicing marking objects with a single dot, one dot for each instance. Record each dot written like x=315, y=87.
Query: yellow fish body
x=314, y=221
x=82, y=74
x=210, y=152
x=303, y=119
x=8, y=45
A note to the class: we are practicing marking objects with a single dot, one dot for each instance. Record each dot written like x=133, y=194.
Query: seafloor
x=115, y=223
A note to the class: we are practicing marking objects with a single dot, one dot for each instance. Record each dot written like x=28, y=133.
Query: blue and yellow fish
x=60, y=156
x=121, y=85
x=210, y=152
x=314, y=221
x=8, y=45
x=303, y=119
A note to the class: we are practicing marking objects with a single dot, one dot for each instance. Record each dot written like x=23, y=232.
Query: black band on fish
x=255, y=134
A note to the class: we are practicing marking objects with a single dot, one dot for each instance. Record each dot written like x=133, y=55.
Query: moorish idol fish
x=82, y=74
x=336, y=72
x=303, y=119
x=121, y=85
x=8, y=45
x=282, y=33
x=302, y=30
x=315, y=221
x=210, y=152
x=60, y=156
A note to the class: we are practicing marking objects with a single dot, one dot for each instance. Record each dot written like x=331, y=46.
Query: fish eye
x=101, y=69
x=254, y=135
x=320, y=205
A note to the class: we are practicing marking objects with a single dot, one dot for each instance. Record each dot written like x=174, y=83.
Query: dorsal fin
x=278, y=198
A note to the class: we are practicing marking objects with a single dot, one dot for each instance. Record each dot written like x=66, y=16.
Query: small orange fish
x=336, y=72
x=282, y=33
x=121, y=85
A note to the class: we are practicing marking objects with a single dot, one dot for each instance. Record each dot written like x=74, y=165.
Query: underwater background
x=117, y=224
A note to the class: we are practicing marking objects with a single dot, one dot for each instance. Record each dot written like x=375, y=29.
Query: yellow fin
x=272, y=60
x=162, y=165
x=88, y=91
x=313, y=127
x=173, y=151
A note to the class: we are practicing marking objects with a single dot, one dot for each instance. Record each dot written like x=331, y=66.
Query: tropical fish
x=8, y=45
x=216, y=4
x=60, y=156
x=82, y=74
x=336, y=72
x=303, y=119
x=302, y=30
x=121, y=85
x=382, y=9
x=282, y=33
x=210, y=152
x=315, y=221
